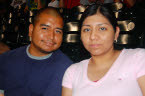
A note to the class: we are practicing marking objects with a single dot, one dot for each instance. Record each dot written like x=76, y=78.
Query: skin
x=1, y=94
x=97, y=35
x=141, y=82
x=46, y=34
x=3, y=48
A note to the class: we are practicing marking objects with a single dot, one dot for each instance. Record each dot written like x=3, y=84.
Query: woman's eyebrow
x=96, y=24
x=103, y=24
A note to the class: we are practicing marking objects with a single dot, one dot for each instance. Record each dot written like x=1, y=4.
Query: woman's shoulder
x=133, y=54
x=75, y=69
x=134, y=51
x=79, y=65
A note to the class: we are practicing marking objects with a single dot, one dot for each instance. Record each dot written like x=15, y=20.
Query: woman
x=108, y=72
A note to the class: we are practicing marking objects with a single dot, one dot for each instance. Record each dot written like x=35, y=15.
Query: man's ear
x=30, y=30
x=117, y=33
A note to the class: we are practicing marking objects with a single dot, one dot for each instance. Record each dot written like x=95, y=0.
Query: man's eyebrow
x=59, y=28
x=50, y=26
x=44, y=25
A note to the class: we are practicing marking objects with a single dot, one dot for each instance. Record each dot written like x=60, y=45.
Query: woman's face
x=97, y=34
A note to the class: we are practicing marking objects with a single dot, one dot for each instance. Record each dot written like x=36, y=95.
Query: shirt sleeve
x=2, y=91
x=69, y=76
x=2, y=72
x=140, y=66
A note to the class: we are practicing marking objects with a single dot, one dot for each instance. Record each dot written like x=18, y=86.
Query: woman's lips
x=95, y=45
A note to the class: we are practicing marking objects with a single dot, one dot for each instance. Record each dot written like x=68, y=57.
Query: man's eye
x=102, y=28
x=86, y=30
x=58, y=31
x=44, y=28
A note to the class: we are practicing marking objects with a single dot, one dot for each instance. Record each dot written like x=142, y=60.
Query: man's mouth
x=49, y=43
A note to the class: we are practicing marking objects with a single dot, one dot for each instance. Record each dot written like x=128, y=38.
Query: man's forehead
x=52, y=13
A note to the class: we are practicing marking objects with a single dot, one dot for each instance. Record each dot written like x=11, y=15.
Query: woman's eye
x=102, y=28
x=86, y=30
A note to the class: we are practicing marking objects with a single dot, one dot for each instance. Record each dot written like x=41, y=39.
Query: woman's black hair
x=104, y=9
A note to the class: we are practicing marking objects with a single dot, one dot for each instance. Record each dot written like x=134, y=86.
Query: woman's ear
x=117, y=33
x=30, y=30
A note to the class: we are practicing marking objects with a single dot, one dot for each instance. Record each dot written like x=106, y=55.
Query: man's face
x=46, y=35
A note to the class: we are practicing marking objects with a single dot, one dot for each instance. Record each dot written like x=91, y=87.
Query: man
x=36, y=69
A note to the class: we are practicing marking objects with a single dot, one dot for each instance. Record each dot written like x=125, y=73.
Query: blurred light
x=126, y=25
x=72, y=26
x=72, y=38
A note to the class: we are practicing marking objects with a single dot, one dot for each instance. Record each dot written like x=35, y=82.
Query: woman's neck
x=106, y=59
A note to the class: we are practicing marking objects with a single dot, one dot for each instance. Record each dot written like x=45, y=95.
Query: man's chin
x=47, y=51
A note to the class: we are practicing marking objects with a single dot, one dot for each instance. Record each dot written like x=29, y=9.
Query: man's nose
x=51, y=34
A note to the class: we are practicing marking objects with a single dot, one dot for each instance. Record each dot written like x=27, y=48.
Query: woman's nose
x=94, y=35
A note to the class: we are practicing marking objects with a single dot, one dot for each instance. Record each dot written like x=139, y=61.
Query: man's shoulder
x=12, y=60
x=60, y=54
x=13, y=53
x=62, y=57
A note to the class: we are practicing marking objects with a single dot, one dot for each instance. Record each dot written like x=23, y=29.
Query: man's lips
x=49, y=43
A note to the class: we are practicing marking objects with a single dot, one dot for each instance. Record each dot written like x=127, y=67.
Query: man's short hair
x=48, y=10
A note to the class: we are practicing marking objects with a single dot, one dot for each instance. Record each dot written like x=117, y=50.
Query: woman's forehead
x=96, y=18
